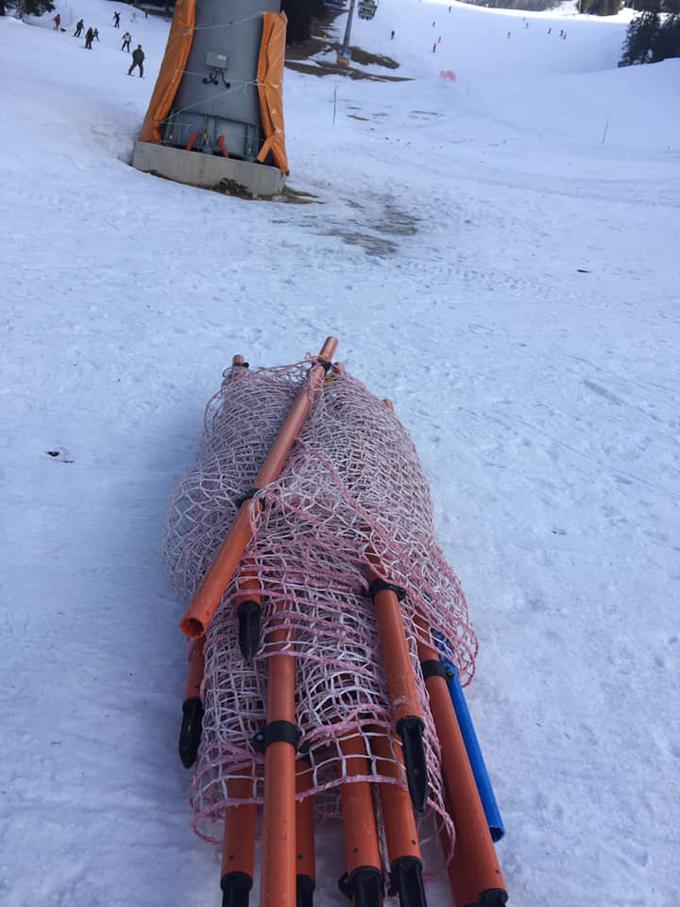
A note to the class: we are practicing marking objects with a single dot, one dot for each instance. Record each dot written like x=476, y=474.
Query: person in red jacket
x=57, y=22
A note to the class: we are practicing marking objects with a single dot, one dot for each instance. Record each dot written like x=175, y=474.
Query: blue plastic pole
x=474, y=751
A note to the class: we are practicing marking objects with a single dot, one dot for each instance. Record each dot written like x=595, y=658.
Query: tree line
x=654, y=35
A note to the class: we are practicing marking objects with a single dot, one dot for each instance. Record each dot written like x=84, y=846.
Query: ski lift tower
x=367, y=10
x=215, y=118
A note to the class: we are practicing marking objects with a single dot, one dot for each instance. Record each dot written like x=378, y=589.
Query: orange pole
x=483, y=876
x=192, y=707
x=220, y=573
x=238, y=846
x=196, y=669
x=401, y=832
x=460, y=887
x=474, y=856
x=278, y=887
x=362, y=882
x=401, y=681
x=403, y=689
x=304, y=837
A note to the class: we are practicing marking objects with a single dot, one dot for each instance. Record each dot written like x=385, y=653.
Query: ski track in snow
x=444, y=249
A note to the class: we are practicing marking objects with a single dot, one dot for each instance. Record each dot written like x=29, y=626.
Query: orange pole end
x=305, y=865
x=401, y=681
x=362, y=852
x=278, y=888
x=407, y=710
x=463, y=895
x=238, y=846
x=401, y=831
x=278, y=829
x=214, y=584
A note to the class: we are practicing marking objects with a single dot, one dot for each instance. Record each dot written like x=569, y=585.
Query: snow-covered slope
x=507, y=277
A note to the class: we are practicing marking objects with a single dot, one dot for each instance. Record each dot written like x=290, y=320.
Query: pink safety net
x=352, y=494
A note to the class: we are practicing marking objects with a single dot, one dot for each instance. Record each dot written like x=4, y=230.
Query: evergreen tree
x=600, y=7
x=667, y=43
x=640, y=39
x=300, y=14
x=27, y=7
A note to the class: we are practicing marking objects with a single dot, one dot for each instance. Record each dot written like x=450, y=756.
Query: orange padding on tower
x=270, y=88
x=171, y=71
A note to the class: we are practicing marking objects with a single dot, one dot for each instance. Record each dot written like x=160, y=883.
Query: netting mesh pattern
x=352, y=495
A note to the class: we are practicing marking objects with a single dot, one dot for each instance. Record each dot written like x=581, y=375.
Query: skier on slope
x=392, y=35
x=57, y=22
x=89, y=37
x=95, y=33
x=116, y=20
x=127, y=37
x=80, y=25
x=137, y=60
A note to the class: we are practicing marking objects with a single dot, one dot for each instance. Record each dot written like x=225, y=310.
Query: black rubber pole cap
x=493, y=897
x=364, y=887
x=411, y=733
x=249, y=628
x=190, y=732
x=236, y=889
x=406, y=882
x=304, y=889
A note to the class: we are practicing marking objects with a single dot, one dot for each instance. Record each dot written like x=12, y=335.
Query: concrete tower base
x=208, y=171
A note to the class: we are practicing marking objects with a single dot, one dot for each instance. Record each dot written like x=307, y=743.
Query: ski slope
x=498, y=255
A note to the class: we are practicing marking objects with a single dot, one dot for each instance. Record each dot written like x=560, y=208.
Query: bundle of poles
x=287, y=862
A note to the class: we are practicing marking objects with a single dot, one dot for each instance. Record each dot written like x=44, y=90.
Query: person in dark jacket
x=137, y=60
x=89, y=38
x=95, y=33
x=116, y=20
x=127, y=37
x=80, y=25
x=57, y=21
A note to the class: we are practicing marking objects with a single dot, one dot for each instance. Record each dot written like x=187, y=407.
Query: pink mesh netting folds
x=353, y=487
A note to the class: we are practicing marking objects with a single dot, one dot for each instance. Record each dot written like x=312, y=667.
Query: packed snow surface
x=499, y=255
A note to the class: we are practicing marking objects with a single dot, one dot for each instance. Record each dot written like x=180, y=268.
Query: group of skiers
x=92, y=34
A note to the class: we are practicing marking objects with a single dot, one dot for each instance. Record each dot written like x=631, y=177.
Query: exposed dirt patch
x=297, y=197
x=299, y=56
x=397, y=223
x=374, y=246
x=323, y=68
x=377, y=238
x=365, y=58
